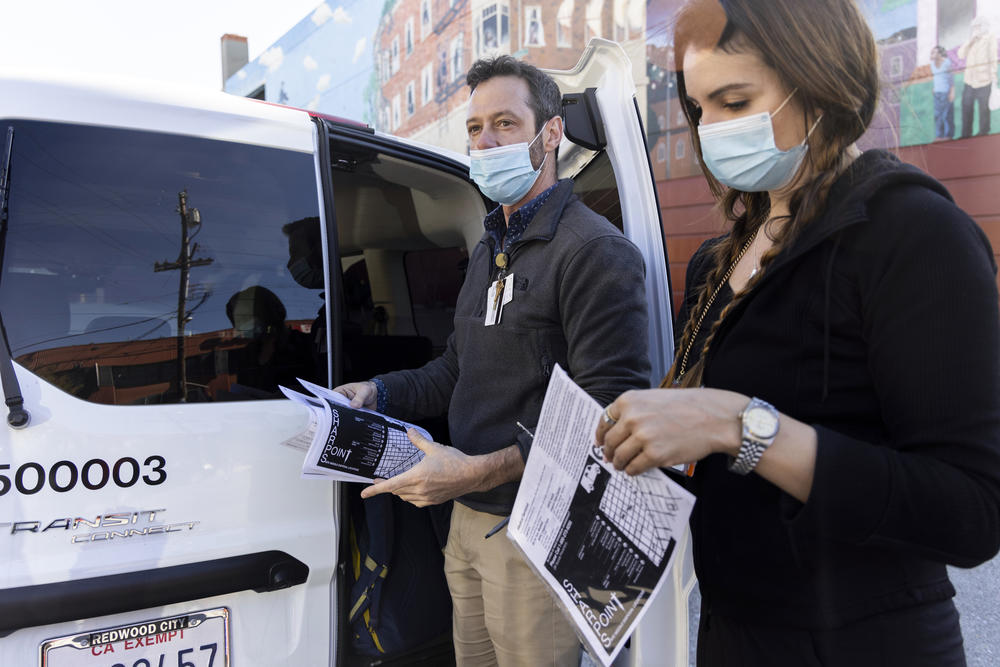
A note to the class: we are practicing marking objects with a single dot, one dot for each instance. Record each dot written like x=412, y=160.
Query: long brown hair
x=825, y=51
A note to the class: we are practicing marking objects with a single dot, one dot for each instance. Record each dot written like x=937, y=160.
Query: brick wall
x=969, y=168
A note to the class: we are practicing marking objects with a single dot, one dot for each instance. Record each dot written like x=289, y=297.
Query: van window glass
x=404, y=231
x=435, y=278
x=597, y=188
x=151, y=268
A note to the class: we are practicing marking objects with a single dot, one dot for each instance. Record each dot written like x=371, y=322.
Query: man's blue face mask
x=504, y=173
x=742, y=155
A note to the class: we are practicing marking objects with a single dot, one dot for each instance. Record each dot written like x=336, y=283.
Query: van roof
x=154, y=106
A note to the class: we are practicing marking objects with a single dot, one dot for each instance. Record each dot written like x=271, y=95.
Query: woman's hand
x=666, y=427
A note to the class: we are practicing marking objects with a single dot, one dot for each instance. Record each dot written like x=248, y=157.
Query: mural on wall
x=946, y=96
x=324, y=63
x=399, y=65
x=667, y=133
x=938, y=63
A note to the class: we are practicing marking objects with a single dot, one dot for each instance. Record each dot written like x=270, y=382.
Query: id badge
x=500, y=294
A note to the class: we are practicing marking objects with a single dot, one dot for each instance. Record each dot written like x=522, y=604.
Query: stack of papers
x=351, y=444
x=603, y=540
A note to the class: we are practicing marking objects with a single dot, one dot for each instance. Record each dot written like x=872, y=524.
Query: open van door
x=602, y=116
x=606, y=148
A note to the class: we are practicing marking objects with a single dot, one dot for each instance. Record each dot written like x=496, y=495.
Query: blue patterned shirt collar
x=519, y=221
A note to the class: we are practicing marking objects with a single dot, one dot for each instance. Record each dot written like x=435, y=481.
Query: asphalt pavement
x=978, y=603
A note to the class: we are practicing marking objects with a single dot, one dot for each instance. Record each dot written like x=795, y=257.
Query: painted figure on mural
x=944, y=94
x=980, y=55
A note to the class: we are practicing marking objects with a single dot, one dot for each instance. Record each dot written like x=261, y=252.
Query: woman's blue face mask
x=742, y=155
x=504, y=173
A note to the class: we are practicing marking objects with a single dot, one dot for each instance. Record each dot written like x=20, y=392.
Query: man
x=550, y=282
x=944, y=94
x=980, y=55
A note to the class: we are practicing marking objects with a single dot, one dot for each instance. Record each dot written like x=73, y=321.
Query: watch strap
x=748, y=456
x=751, y=448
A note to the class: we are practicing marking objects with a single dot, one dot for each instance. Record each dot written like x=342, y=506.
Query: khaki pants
x=503, y=613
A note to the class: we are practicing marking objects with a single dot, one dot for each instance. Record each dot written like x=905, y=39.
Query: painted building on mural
x=423, y=49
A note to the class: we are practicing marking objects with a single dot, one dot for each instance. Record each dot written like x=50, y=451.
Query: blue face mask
x=742, y=155
x=504, y=174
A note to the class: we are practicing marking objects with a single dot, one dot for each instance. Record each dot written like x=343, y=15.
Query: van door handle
x=42, y=604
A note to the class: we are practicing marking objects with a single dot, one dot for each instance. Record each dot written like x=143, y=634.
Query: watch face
x=761, y=423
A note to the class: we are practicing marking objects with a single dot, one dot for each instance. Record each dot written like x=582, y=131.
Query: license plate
x=200, y=639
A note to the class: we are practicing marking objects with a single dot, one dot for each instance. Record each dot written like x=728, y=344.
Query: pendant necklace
x=708, y=306
x=756, y=254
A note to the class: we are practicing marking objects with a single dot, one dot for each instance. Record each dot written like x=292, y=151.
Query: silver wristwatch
x=760, y=426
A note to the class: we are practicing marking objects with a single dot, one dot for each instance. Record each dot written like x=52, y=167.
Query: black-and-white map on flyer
x=351, y=444
x=603, y=540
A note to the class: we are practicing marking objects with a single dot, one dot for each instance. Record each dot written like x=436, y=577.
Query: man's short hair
x=546, y=100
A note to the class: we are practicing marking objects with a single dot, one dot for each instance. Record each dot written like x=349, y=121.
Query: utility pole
x=190, y=220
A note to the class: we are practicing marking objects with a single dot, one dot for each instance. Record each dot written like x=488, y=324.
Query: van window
x=150, y=268
x=597, y=187
x=405, y=231
x=435, y=278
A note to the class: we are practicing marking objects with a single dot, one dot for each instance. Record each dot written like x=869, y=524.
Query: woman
x=854, y=297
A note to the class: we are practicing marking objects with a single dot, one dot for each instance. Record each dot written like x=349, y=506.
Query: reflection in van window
x=151, y=268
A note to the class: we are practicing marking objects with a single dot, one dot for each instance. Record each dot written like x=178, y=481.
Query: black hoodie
x=879, y=326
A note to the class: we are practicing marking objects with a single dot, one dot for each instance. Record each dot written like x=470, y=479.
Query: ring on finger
x=608, y=419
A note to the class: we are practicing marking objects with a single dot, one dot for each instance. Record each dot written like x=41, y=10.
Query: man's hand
x=445, y=473
x=362, y=394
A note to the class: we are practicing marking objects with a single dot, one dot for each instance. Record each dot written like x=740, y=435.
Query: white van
x=167, y=261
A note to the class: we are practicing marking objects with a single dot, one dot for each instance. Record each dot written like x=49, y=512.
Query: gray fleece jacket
x=579, y=301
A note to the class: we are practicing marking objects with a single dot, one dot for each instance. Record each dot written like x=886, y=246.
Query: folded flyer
x=604, y=541
x=351, y=444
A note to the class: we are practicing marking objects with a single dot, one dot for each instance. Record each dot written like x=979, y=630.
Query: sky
x=165, y=40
